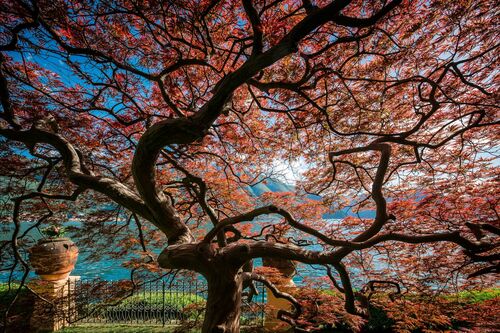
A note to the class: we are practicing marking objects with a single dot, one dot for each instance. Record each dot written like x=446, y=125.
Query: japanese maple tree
x=168, y=111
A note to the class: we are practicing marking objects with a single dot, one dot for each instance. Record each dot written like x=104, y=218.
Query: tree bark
x=222, y=314
x=224, y=279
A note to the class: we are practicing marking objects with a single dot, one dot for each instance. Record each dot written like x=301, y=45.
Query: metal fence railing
x=158, y=302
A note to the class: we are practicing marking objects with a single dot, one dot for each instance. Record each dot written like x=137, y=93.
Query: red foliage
x=149, y=121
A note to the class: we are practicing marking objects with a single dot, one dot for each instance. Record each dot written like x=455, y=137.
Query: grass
x=179, y=301
x=121, y=329
x=471, y=296
x=475, y=296
x=135, y=329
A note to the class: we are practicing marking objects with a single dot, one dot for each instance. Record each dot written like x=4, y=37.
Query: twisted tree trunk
x=222, y=314
x=224, y=279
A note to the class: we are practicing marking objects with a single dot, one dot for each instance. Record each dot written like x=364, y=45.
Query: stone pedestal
x=55, y=306
x=272, y=323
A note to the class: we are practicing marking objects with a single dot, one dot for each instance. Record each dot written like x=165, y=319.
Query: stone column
x=286, y=269
x=272, y=323
x=55, y=307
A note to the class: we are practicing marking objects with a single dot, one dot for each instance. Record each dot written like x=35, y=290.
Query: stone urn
x=53, y=258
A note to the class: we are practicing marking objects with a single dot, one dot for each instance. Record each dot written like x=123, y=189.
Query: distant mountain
x=270, y=185
x=276, y=186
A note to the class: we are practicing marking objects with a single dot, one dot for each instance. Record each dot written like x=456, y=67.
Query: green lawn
x=475, y=296
x=178, y=301
x=121, y=329
x=137, y=329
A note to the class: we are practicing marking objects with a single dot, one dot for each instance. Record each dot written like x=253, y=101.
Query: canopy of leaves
x=149, y=120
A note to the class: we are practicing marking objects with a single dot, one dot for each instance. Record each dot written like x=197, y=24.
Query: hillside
x=276, y=186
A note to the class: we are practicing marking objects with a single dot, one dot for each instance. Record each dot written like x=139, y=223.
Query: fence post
x=163, y=302
x=69, y=318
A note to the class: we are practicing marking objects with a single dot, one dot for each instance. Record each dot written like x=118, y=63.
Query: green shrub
x=173, y=299
x=7, y=294
x=20, y=313
x=378, y=321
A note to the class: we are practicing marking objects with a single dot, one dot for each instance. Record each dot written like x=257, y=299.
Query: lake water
x=111, y=269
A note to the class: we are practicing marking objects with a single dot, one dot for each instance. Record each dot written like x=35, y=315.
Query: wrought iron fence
x=158, y=302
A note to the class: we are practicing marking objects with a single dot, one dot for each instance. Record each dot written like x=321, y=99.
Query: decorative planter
x=53, y=258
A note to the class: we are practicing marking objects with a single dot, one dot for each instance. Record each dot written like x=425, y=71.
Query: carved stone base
x=55, y=306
